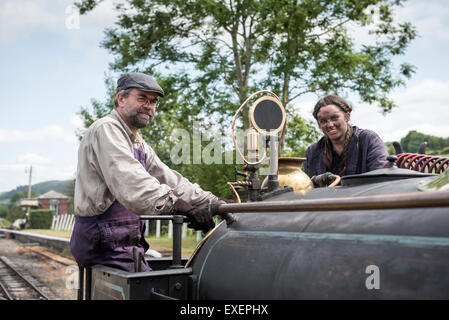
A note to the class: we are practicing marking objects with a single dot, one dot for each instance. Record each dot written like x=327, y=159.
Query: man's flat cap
x=139, y=81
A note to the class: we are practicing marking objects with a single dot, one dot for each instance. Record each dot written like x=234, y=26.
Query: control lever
x=214, y=208
x=137, y=257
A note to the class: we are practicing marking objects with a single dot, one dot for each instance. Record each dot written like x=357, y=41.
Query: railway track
x=14, y=286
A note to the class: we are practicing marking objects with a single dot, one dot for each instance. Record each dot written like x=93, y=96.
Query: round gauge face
x=267, y=115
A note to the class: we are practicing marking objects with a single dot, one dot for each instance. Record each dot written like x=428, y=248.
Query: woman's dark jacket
x=366, y=152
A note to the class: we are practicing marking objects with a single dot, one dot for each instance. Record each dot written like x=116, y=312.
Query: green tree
x=210, y=55
x=301, y=132
x=17, y=196
x=435, y=145
x=15, y=212
x=3, y=211
x=390, y=148
x=230, y=48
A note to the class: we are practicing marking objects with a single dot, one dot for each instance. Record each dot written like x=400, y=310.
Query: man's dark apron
x=109, y=238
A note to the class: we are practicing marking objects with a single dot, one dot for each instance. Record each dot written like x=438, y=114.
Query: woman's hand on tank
x=323, y=180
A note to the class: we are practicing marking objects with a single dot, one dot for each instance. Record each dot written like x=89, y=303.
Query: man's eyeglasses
x=145, y=101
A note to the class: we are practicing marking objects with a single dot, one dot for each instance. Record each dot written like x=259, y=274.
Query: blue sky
x=49, y=70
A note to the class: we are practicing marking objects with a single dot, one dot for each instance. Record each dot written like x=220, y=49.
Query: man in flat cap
x=119, y=177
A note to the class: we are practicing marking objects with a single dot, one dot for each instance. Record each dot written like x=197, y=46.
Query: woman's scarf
x=327, y=156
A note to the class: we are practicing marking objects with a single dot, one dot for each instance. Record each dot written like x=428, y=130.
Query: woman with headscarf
x=344, y=149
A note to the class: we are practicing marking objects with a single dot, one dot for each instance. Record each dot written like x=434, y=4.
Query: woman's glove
x=323, y=180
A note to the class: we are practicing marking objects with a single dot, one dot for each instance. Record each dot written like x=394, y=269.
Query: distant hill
x=40, y=188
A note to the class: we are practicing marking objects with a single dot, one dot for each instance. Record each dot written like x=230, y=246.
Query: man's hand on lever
x=200, y=217
x=226, y=216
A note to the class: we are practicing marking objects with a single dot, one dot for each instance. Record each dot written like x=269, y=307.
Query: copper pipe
x=393, y=201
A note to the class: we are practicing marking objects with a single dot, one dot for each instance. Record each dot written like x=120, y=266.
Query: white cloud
x=104, y=14
x=51, y=150
x=421, y=107
x=429, y=17
x=20, y=18
x=13, y=175
x=33, y=158
x=53, y=172
x=47, y=133
x=76, y=121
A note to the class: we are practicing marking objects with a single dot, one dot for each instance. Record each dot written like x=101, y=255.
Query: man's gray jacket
x=366, y=152
x=107, y=171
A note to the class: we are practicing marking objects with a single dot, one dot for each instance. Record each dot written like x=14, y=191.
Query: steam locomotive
x=378, y=235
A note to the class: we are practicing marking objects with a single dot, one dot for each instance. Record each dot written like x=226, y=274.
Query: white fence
x=66, y=222
x=170, y=230
x=63, y=222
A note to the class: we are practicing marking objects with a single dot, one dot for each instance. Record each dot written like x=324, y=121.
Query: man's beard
x=139, y=121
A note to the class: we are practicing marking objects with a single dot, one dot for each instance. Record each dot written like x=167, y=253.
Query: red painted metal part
x=422, y=162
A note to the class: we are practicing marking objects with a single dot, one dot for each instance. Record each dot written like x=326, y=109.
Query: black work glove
x=323, y=180
x=200, y=217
